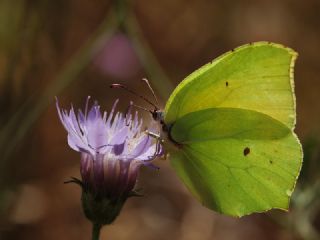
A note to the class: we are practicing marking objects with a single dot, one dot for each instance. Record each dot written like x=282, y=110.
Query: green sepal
x=101, y=210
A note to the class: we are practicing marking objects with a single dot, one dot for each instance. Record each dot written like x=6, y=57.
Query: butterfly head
x=157, y=115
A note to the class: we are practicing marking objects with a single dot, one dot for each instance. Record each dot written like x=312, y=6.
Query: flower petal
x=151, y=153
x=72, y=143
x=74, y=120
x=111, y=113
x=97, y=135
x=81, y=120
x=94, y=113
x=141, y=147
x=119, y=137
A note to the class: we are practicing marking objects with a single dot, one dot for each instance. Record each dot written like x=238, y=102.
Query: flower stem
x=96, y=231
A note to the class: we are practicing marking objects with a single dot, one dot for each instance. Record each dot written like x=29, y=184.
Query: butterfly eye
x=157, y=116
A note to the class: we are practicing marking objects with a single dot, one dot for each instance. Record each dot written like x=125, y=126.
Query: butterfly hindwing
x=236, y=169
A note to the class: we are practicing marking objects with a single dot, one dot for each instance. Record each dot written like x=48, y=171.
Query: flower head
x=112, y=148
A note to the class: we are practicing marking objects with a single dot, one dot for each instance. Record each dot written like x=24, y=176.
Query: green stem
x=96, y=231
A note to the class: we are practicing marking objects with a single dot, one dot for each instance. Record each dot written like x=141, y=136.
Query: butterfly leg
x=159, y=141
x=154, y=135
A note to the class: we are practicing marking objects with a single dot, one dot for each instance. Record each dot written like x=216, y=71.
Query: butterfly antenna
x=146, y=81
x=142, y=108
x=117, y=85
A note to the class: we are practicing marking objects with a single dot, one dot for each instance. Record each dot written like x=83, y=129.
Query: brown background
x=75, y=48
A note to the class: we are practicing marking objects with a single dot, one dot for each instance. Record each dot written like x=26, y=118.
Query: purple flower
x=112, y=148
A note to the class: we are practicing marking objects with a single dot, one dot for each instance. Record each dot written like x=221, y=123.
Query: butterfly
x=228, y=129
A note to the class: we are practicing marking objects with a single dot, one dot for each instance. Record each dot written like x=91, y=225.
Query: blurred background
x=75, y=48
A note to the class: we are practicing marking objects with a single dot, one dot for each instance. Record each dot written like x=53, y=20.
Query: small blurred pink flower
x=118, y=58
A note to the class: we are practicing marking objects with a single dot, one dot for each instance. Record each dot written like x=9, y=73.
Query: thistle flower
x=112, y=148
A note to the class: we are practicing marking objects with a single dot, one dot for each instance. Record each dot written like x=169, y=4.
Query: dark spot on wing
x=270, y=161
x=246, y=151
x=227, y=84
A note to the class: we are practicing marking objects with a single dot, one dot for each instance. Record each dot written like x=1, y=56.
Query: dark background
x=75, y=48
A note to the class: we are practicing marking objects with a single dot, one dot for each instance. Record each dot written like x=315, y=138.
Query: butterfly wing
x=237, y=166
x=234, y=120
x=257, y=76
